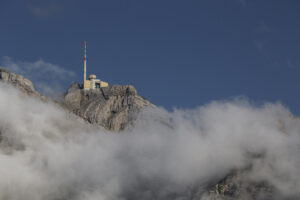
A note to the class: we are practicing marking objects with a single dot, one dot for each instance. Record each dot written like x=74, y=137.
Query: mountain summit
x=113, y=107
x=19, y=82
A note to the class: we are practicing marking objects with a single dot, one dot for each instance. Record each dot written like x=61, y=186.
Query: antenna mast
x=84, y=67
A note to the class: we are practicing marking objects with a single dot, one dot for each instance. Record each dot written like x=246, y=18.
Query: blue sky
x=176, y=53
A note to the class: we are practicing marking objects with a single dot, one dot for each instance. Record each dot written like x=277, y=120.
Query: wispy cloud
x=290, y=64
x=264, y=28
x=262, y=34
x=243, y=2
x=259, y=45
x=47, y=77
x=45, y=10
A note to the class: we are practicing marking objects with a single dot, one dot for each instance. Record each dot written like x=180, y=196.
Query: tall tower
x=84, y=68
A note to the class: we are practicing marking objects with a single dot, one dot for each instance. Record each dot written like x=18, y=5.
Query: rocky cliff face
x=19, y=82
x=113, y=107
x=237, y=185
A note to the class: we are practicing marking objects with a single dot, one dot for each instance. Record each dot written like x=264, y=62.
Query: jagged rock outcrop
x=113, y=107
x=237, y=185
x=19, y=82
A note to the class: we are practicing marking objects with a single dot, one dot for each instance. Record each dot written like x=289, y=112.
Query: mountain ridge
x=115, y=108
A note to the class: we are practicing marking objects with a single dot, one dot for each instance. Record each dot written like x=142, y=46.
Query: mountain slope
x=116, y=107
x=19, y=82
x=113, y=107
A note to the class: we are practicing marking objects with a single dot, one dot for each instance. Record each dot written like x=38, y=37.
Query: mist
x=47, y=153
x=41, y=73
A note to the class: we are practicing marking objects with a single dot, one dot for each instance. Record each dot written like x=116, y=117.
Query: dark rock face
x=113, y=107
x=19, y=82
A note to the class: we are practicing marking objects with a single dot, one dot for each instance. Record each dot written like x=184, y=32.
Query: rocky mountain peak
x=19, y=82
x=112, y=107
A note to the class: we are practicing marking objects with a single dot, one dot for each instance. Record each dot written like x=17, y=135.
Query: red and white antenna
x=84, y=68
x=84, y=51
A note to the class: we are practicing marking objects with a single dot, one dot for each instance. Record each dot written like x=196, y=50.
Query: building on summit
x=92, y=83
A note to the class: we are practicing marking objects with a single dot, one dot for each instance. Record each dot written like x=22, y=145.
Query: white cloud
x=37, y=68
x=41, y=73
x=49, y=155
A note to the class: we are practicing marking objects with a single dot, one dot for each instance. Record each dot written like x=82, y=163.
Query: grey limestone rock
x=237, y=185
x=19, y=82
x=113, y=107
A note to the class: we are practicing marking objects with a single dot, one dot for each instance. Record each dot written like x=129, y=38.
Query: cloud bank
x=41, y=73
x=47, y=154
